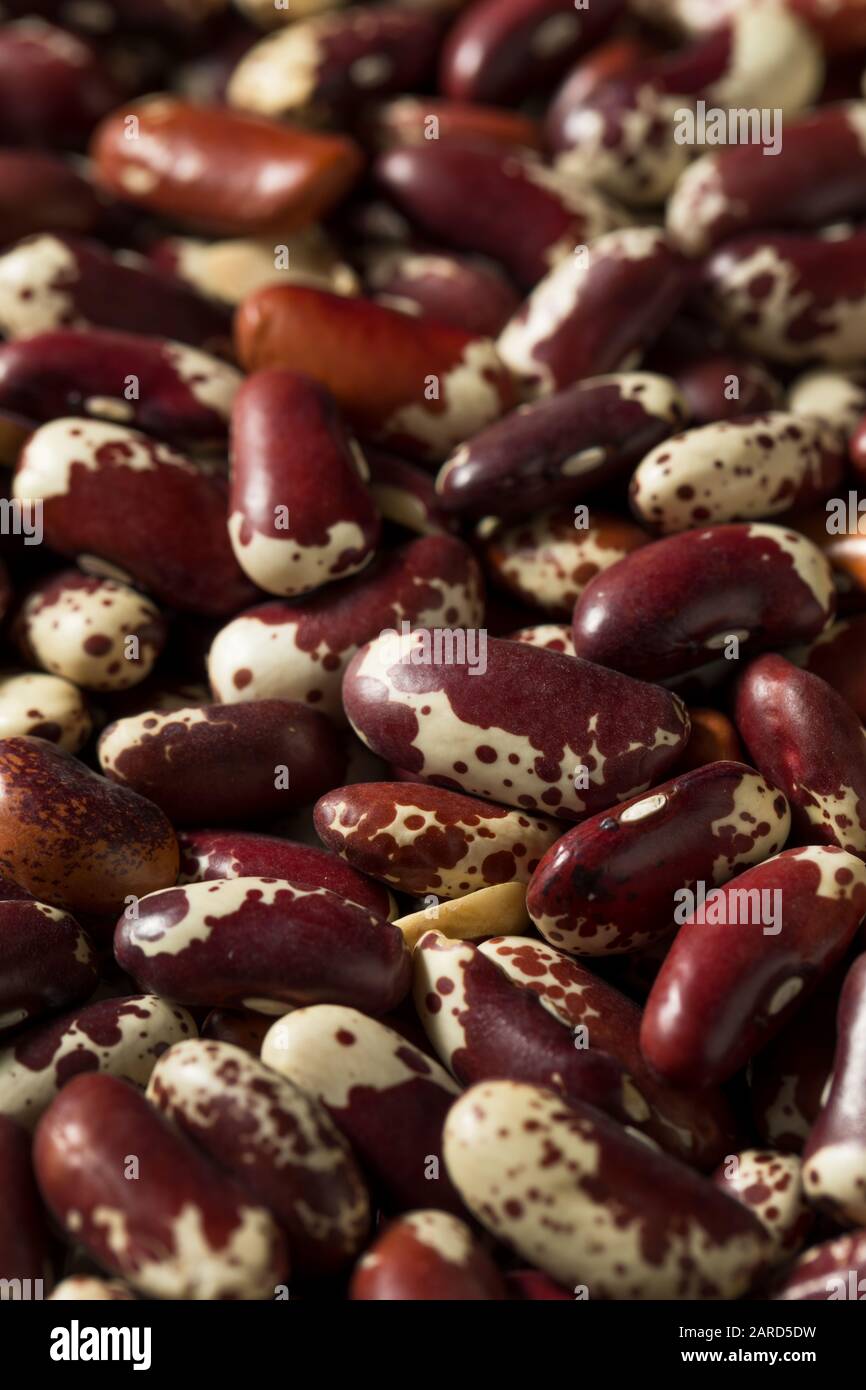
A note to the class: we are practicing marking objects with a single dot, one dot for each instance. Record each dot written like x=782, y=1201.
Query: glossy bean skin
x=209, y=854
x=424, y=839
x=26, y=1250
x=253, y=176
x=405, y=120
x=810, y=743
x=549, y=559
x=427, y=1255
x=467, y=292
x=124, y=1036
x=187, y=1231
x=837, y=657
x=53, y=282
x=183, y=395
x=788, y=1078
x=300, y=651
x=562, y=447
x=386, y=1096
x=464, y=730
x=725, y=990
x=48, y=962
x=336, y=61
x=834, y=1270
x=97, y=633
x=379, y=365
x=695, y=1126
x=274, y=1141
x=44, y=706
x=771, y=1186
x=299, y=512
x=485, y=1024
x=263, y=944
x=833, y=1158
x=73, y=839
x=500, y=204
x=608, y=885
x=629, y=1222
x=815, y=179
x=754, y=466
x=673, y=606
x=596, y=312
x=225, y=762
x=139, y=507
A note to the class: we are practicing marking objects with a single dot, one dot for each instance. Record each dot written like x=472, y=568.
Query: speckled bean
x=427, y=1255
x=834, y=1158
x=48, y=962
x=771, y=1186
x=44, y=707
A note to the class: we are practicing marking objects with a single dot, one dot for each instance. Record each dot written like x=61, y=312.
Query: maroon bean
x=427, y=1255
x=245, y=1030
x=48, y=962
x=122, y=1036
x=723, y=386
x=837, y=656
x=299, y=513
x=745, y=959
x=40, y=193
x=466, y=292
x=771, y=1186
x=630, y=1222
x=181, y=1229
x=671, y=606
x=405, y=495
x=561, y=448
x=209, y=854
x=387, y=1097
x=277, y=1144
x=411, y=121
x=262, y=943
x=834, y=1270
x=596, y=311
x=810, y=743
x=53, y=86
x=300, y=651
x=54, y=282
x=834, y=1172
x=26, y=1251
x=139, y=507
x=609, y=885
x=788, y=1077
x=528, y=727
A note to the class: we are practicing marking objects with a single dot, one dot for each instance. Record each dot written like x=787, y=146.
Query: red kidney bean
x=300, y=651
x=122, y=1036
x=41, y=193
x=26, y=1252
x=167, y=389
x=224, y=762
x=791, y=298
x=770, y=1185
x=100, y=634
x=504, y=50
x=549, y=560
x=415, y=384
x=788, y=1077
x=596, y=311
x=49, y=282
x=837, y=656
x=465, y=292
x=416, y=120
x=733, y=977
x=808, y=741
x=263, y=943
x=277, y=1144
x=427, y=1255
x=86, y=1288
x=336, y=61
x=533, y=729
x=138, y=507
x=244, y=1030
x=554, y=637
x=615, y=1218
x=484, y=1024
x=388, y=1098
x=609, y=885
x=428, y=840
x=497, y=202
x=755, y=466
x=53, y=86
x=563, y=447
x=671, y=606
x=723, y=386
x=181, y=1229
x=694, y=1126
x=48, y=962
x=72, y=838
x=209, y=854
x=834, y=1173
x=44, y=707
x=834, y=1270
x=816, y=178
x=405, y=495
x=299, y=513
x=219, y=170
